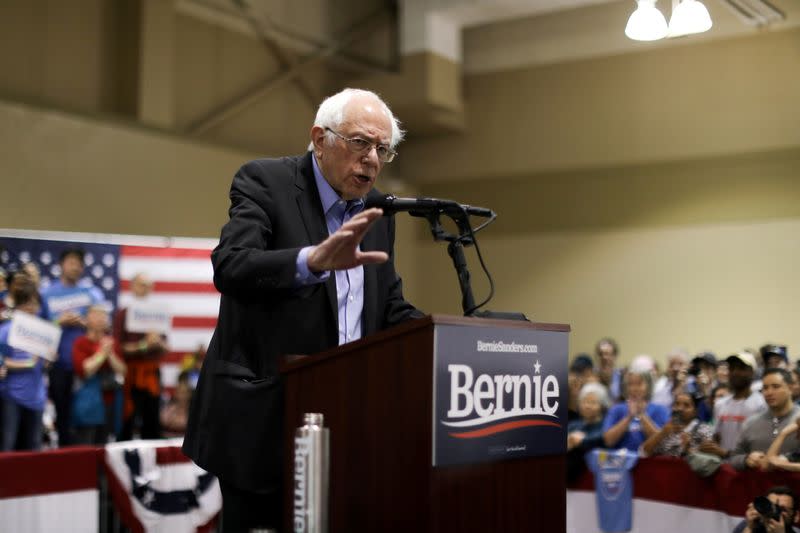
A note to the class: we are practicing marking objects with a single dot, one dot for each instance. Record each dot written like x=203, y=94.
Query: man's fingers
x=360, y=224
x=323, y=256
x=371, y=258
x=370, y=214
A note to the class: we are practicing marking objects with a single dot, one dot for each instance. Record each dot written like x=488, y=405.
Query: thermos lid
x=313, y=419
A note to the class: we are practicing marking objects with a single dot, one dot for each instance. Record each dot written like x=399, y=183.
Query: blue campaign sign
x=499, y=393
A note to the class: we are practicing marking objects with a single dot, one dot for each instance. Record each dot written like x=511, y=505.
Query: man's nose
x=372, y=154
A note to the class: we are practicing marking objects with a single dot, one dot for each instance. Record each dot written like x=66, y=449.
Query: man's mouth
x=363, y=178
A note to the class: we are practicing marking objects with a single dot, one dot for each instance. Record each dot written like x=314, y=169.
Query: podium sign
x=499, y=393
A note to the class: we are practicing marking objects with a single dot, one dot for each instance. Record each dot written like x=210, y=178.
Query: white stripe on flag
x=187, y=339
x=166, y=268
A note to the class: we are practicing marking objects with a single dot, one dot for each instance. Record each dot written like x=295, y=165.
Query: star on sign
x=537, y=367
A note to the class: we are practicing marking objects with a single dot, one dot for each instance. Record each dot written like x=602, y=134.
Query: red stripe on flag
x=176, y=286
x=173, y=357
x=206, y=322
x=153, y=251
x=170, y=455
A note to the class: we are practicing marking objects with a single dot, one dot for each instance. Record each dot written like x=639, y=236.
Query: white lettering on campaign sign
x=144, y=317
x=33, y=335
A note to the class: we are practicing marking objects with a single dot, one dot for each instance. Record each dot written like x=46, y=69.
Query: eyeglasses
x=358, y=145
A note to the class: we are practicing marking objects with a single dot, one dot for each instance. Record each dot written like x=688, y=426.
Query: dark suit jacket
x=236, y=416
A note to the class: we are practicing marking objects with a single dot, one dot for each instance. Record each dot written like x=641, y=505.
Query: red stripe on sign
x=205, y=322
x=499, y=428
x=176, y=286
x=49, y=471
x=154, y=251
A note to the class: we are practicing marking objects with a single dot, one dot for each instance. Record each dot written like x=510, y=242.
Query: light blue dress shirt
x=349, y=283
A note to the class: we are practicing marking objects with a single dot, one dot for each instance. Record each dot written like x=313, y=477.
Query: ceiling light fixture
x=647, y=23
x=689, y=16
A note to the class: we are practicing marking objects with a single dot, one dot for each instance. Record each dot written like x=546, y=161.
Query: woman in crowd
x=632, y=421
x=684, y=433
x=586, y=432
x=101, y=372
x=22, y=388
x=14, y=279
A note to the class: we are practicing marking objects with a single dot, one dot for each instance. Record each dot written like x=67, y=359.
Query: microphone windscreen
x=381, y=200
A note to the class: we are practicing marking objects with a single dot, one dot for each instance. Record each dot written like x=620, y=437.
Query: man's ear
x=317, y=137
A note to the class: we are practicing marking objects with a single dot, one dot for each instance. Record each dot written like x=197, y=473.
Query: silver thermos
x=311, y=465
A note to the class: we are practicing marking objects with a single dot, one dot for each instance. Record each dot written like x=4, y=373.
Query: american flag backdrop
x=181, y=271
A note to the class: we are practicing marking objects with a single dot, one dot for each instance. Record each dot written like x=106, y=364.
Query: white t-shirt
x=730, y=414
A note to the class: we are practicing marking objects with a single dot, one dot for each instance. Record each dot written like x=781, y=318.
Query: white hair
x=330, y=114
x=598, y=390
x=641, y=364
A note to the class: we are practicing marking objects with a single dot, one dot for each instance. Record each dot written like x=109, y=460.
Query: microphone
x=420, y=207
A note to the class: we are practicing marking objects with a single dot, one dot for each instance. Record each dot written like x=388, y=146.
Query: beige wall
x=653, y=197
x=69, y=173
x=700, y=254
x=719, y=286
x=714, y=98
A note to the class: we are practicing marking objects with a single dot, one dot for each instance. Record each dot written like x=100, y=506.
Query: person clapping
x=630, y=422
x=683, y=434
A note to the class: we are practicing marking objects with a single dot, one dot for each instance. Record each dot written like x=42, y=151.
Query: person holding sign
x=22, y=389
x=100, y=372
x=140, y=333
x=66, y=302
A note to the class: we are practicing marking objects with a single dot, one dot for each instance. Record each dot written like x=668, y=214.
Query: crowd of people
x=103, y=383
x=742, y=410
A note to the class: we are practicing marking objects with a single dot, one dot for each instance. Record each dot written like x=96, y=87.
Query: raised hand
x=340, y=250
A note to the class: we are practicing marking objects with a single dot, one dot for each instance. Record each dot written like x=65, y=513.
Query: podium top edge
x=475, y=321
x=293, y=362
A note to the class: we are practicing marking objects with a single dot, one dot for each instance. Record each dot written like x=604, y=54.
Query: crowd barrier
x=150, y=486
x=139, y=486
x=669, y=497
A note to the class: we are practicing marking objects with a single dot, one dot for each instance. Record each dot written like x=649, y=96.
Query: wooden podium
x=377, y=396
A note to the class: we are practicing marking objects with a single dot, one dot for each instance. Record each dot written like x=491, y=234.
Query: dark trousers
x=22, y=427
x=244, y=510
x=61, y=394
x=146, y=408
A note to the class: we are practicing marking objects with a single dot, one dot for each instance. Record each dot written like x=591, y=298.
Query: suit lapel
x=310, y=207
x=369, y=317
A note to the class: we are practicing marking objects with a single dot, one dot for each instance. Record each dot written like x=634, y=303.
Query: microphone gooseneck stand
x=455, y=249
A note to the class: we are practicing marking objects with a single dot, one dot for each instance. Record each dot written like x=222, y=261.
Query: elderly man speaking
x=302, y=267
